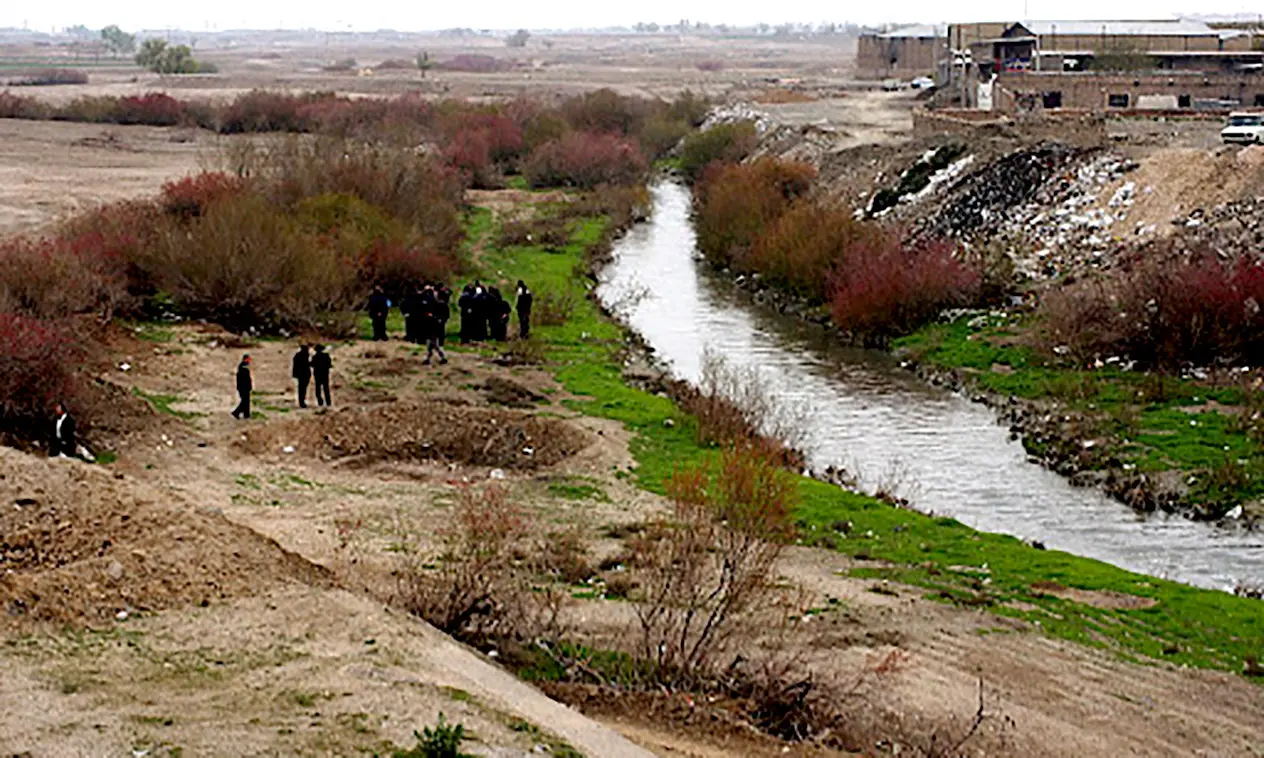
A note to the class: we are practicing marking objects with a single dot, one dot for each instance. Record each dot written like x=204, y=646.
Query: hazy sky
x=502, y=14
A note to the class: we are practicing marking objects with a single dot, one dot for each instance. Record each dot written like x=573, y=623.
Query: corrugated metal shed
x=1176, y=28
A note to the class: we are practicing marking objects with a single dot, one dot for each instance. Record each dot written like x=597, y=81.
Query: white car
x=922, y=82
x=1244, y=128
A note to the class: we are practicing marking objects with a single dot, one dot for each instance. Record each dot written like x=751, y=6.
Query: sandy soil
x=353, y=520
x=50, y=170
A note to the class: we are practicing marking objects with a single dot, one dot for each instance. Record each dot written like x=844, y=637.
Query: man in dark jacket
x=302, y=371
x=525, y=299
x=410, y=306
x=498, y=315
x=244, y=386
x=466, y=305
x=321, y=366
x=444, y=296
x=482, y=312
x=432, y=325
x=379, y=309
x=63, y=443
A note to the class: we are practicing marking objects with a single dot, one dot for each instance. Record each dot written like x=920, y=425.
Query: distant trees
x=117, y=41
x=162, y=58
x=518, y=38
x=424, y=63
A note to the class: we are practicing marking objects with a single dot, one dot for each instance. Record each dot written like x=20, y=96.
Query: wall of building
x=881, y=57
x=1023, y=91
x=1109, y=43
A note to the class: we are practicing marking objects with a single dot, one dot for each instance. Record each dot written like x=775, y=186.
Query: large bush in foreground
x=36, y=370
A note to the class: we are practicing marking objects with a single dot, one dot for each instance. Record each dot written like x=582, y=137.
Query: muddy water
x=863, y=411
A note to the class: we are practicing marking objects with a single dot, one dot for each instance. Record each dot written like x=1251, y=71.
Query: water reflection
x=874, y=418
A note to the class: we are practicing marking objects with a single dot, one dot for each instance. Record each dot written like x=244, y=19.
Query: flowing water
x=864, y=412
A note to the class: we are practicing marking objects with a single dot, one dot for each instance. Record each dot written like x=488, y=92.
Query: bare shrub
x=483, y=584
x=805, y=249
x=736, y=406
x=49, y=77
x=549, y=232
x=52, y=278
x=585, y=160
x=707, y=571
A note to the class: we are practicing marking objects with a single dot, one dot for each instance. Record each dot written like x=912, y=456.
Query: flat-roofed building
x=901, y=53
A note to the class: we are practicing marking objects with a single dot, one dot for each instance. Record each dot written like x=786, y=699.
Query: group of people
x=485, y=314
x=305, y=367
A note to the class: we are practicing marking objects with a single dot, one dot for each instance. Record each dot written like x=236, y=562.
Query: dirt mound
x=425, y=431
x=78, y=546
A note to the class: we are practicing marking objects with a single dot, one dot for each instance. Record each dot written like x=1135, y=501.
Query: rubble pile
x=1228, y=229
x=736, y=113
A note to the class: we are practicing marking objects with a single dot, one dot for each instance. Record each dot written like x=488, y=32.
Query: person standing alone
x=321, y=365
x=244, y=386
x=63, y=442
x=302, y=371
x=524, y=310
x=379, y=309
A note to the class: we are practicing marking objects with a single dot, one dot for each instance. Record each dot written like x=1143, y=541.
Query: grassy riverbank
x=1063, y=595
x=1205, y=437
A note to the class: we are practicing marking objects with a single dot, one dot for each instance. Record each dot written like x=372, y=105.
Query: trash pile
x=736, y=113
x=1228, y=229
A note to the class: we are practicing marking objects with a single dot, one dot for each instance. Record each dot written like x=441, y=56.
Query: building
x=902, y=53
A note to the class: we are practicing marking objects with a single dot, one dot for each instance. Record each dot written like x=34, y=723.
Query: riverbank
x=1062, y=595
x=1183, y=445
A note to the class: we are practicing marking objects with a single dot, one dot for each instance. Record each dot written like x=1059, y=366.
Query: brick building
x=901, y=53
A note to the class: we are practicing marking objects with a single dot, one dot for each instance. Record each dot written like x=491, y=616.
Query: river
x=866, y=413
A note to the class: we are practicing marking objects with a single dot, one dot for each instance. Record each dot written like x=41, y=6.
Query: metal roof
x=1178, y=28
x=920, y=31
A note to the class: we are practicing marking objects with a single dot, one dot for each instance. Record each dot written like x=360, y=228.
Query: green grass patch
x=163, y=404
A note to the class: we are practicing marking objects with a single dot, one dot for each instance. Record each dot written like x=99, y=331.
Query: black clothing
x=302, y=371
x=498, y=311
x=432, y=325
x=466, y=305
x=443, y=312
x=525, y=299
x=244, y=385
x=321, y=365
x=410, y=306
x=63, y=441
x=379, y=309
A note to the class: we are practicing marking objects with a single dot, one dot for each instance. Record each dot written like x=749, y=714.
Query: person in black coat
x=431, y=309
x=244, y=386
x=466, y=305
x=322, y=364
x=63, y=443
x=410, y=306
x=482, y=312
x=498, y=311
x=444, y=296
x=302, y=371
x=525, y=299
x=379, y=309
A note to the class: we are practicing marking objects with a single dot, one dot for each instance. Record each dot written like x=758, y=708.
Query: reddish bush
x=885, y=289
x=585, y=160
x=36, y=370
x=152, y=109
x=1165, y=312
x=61, y=276
x=20, y=106
x=475, y=64
x=606, y=111
x=733, y=204
x=192, y=195
x=470, y=154
x=263, y=111
x=397, y=266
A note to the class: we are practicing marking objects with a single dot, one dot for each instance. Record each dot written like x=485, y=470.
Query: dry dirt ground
x=247, y=550
x=50, y=170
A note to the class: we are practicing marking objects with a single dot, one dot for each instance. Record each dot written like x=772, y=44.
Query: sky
x=368, y=15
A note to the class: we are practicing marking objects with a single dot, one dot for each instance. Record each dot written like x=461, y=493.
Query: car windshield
x=1246, y=120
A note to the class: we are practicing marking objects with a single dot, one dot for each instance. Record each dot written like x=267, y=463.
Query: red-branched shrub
x=62, y=276
x=470, y=155
x=1166, y=312
x=192, y=195
x=121, y=231
x=884, y=289
x=20, y=106
x=152, y=109
x=471, y=63
x=802, y=250
x=733, y=204
x=37, y=360
x=607, y=111
x=585, y=160
x=397, y=266
x=263, y=111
